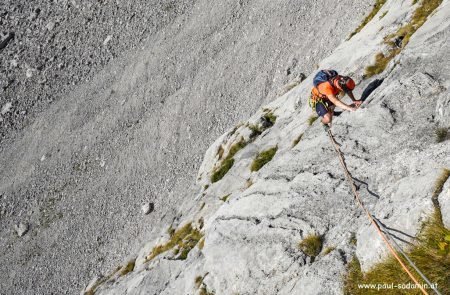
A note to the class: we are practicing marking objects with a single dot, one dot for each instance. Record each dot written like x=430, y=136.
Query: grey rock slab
x=21, y=229
x=444, y=203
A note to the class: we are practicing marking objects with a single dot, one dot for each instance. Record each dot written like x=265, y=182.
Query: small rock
x=8, y=38
x=50, y=26
x=108, y=38
x=6, y=108
x=34, y=15
x=13, y=63
x=42, y=80
x=22, y=229
x=29, y=73
x=147, y=208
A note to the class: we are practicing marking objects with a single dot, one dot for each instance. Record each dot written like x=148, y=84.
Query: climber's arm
x=339, y=103
x=355, y=101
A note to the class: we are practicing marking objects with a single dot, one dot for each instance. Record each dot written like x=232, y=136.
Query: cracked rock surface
x=106, y=105
x=251, y=237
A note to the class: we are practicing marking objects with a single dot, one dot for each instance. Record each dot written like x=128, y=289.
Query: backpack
x=324, y=76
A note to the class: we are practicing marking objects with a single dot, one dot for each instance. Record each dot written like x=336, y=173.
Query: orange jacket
x=324, y=89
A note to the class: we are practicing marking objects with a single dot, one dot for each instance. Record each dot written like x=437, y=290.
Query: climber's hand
x=357, y=103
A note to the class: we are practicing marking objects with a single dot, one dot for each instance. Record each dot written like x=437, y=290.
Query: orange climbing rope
x=369, y=215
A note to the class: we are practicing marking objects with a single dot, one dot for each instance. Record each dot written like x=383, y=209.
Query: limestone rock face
x=251, y=237
x=79, y=168
x=106, y=104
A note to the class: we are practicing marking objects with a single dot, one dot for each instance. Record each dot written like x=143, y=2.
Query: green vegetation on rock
x=225, y=198
x=228, y=162
x=263, y=158
x=431, y=254
x=297, y=140
x=129, y=267
x=184, y=239
x=377, y=6
x=312, y=119
x=441, y=134
x=398, y=40
x=311, y=245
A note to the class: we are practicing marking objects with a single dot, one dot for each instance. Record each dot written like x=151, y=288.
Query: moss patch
x=381, y=62
x=204, y=291
x=441, y=134
x=377, y=6
x=297, y=140
x=263, y=158
x=129, y=267
x=312, y=119
x=328, y=250
x=397, y=41
x=228, y=162
x=101, y=281
x=198, y=281
x=225, y=198
x=311, y=245
x=222, y=170
x=431, y=254
x=256, y=130
x=184, y=239
x=269, y=116
x=201, y=244
x=438, y=186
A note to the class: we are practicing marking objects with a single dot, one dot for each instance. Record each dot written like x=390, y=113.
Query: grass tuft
x=383, y=14
x=204, y=291
x=376, y=7
x=328, y=250
x=256, y=130
x=297, y=140
x=202, y=206
x=220, y=152
x=184, y=238
x=198, y=281
x=431, y=254
x=101, y=281
x=170, y=231
x=225, y=198
x=381, y=62
x=201, y=244
x=311, y=245
x=228, y=162
x=441, y=134
x=223, y=169
x=129, y=267
x=269, y=119
x=312, y=119
x=400, y=39
x=269, y=116
x=263, y=158
x=439, y=184
x=353, y=241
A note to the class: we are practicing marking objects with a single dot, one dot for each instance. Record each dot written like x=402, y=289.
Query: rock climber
x=329, y=88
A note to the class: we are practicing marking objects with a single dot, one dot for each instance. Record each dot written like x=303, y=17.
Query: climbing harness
x=385, y=237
